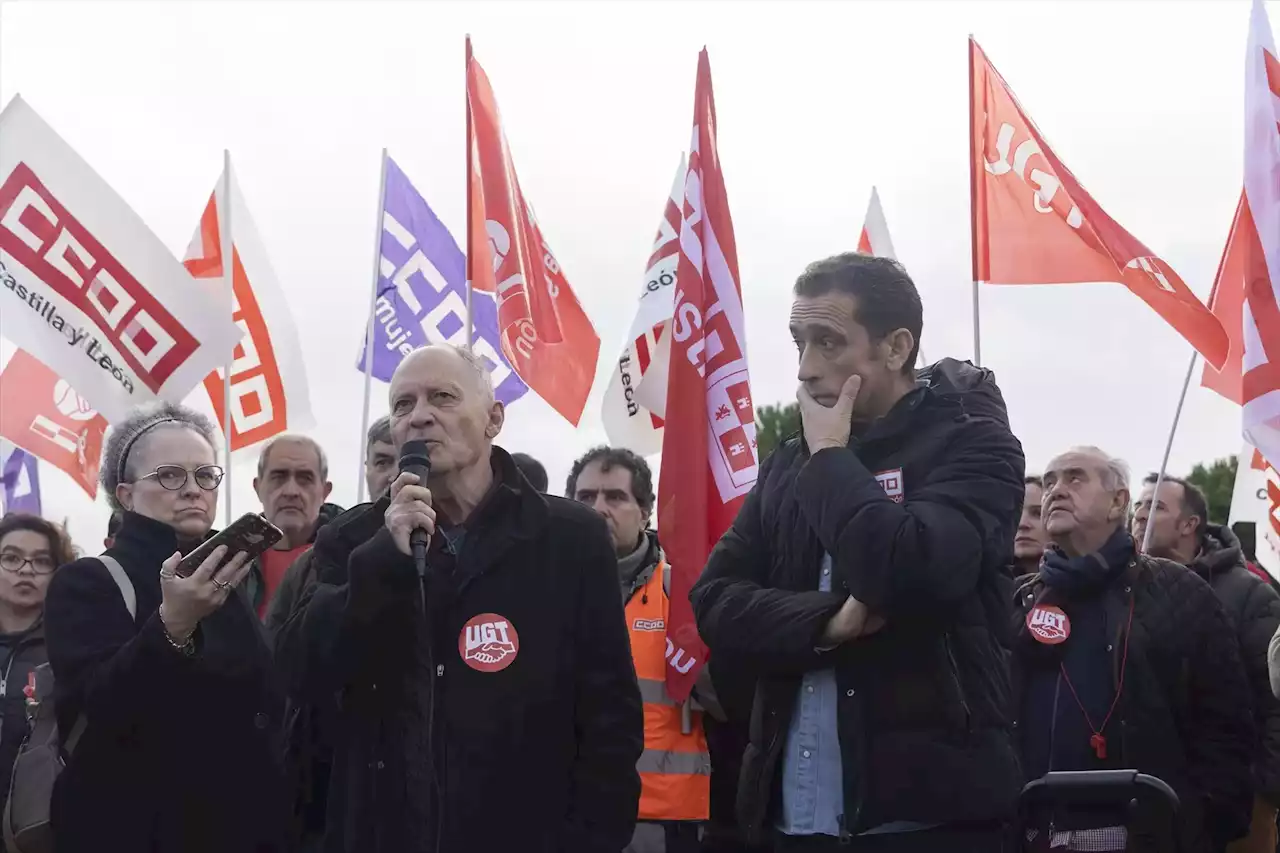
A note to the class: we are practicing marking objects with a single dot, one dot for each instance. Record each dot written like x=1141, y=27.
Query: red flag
x=1227, y=304
x=1033, y=223
x=709, y=456
x=43, y=415
x=545, y=333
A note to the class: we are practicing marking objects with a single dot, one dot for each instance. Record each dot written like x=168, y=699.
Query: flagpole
x=228, y=265
x=1164, y=462
x=467, y=88
x=368, y=332
x=973, y=225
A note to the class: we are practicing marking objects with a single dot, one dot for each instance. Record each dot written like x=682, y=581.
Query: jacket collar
x=1220, y=552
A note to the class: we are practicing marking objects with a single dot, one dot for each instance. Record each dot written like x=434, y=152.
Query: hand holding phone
x=250, y=533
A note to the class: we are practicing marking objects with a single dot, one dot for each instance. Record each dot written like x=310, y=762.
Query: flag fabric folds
x=1033, y=223
x=42, y=414
x=422, y=291
x=19, y=480
x=646, y=355
x=269, y=390
x=87, y=288
x=709, y=458
x=546, y=336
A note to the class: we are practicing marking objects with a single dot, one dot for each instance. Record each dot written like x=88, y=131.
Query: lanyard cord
x=1098, y=741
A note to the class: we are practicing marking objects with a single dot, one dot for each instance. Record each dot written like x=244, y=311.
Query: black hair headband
x=124, y=457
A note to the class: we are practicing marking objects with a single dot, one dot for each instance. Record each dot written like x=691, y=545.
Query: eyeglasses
x=12, y=561
x=174, y=477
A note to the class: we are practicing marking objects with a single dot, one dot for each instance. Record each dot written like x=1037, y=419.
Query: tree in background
x=773, y=424
x=1217, y=482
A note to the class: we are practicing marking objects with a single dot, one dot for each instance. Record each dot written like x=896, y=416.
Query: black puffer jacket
x=923, y=708
x=533, y=749
x=1183, y=713
x=20, y=654
x=1255, y=607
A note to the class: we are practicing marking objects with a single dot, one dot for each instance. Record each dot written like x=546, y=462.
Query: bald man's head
x=443, y=394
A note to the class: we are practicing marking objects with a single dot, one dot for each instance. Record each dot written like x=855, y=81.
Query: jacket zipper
x=954, y=671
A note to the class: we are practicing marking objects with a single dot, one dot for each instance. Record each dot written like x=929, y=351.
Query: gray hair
x=125, y=441
x=379, y=431
x=302, y=439
x=1115, y=473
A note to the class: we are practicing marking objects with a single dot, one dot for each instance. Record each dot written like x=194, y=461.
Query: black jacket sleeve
x=354, y=626
x=289, y=592
x=740, y=615
x=1219, y=740
x=106, y=667
x=931, y=548
x=1258, y=624
x=608, y=716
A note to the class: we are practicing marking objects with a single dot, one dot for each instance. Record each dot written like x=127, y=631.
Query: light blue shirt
x=812, y=771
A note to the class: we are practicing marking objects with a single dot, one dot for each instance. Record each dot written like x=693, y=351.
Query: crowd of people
x=905, y=629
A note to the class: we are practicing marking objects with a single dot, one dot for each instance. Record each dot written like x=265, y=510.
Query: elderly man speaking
x=507, y=715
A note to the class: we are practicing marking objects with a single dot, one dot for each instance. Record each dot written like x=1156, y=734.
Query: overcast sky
x=817, y=102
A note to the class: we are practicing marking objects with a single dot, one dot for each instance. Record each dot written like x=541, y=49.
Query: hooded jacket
x=918, y=514
x=1254, y=607
x=20, y=654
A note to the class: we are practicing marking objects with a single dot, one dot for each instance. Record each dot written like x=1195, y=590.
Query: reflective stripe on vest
x=675, y=768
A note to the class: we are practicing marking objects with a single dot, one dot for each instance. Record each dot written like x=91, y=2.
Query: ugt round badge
x=488, y=643
x=1048, y=624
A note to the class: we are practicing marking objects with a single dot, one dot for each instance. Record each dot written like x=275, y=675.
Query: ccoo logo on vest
x=488, y=643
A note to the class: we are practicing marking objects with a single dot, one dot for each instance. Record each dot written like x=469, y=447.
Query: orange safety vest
x=675, y=768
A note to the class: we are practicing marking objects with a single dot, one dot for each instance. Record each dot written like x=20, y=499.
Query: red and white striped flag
x=269, y=391
x=630, y=419
x=1245, y=292
x=709, y=459
x=875, y=231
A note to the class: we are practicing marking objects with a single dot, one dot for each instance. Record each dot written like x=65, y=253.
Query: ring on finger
x=168, y=574
x=221, y=585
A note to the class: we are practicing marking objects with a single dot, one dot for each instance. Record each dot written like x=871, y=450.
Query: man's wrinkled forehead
x=434, y=369
x=1074, y=463
x=832, y=311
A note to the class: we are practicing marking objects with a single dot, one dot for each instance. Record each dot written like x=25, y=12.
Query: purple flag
x=19, y=480
x=422, y=291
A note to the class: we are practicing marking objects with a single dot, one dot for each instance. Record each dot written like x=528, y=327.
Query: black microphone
x=414, y=459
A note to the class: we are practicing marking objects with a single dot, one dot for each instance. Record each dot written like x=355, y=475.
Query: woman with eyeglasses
x=30, y=550
x=180, y=748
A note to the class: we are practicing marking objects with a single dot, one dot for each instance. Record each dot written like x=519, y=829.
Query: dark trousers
x=941, y=840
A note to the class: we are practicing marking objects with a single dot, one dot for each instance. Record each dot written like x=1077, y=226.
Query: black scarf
x=1088, y=571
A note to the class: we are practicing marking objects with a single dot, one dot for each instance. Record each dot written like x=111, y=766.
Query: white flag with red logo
x=646, y=356
x=43, y=414
x=1245, y=292
x=269, y=391
x=546, y=336
x=1256, y=498
x=874, y=239
x=87, y=288
x=709, y=459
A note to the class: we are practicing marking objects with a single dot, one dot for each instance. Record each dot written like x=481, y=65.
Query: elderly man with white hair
x=491, y=705
x=1126, y=661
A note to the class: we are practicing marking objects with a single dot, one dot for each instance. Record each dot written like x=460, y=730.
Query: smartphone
x=250, y=533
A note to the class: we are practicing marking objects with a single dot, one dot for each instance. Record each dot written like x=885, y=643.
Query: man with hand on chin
x=862, y=578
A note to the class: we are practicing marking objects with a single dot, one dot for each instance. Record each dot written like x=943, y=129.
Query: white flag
x=87, y=288
x=269, y=392
x=633, y=420
x=1256, y=498
x=875, y=231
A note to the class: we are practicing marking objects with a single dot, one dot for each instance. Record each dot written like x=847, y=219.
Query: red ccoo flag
x=1226, y=301
x=545, y=334
x=1033, y=223
x=874, y=239
x=709, y=456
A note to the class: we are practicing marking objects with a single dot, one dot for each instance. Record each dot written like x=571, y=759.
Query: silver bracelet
x=187, y=646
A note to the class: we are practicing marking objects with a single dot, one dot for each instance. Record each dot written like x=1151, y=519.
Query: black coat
x=180, y=754
x=923, y=719
x=20, y=654
x=1183, y=714
x=1254, y=606
x=434, y=753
